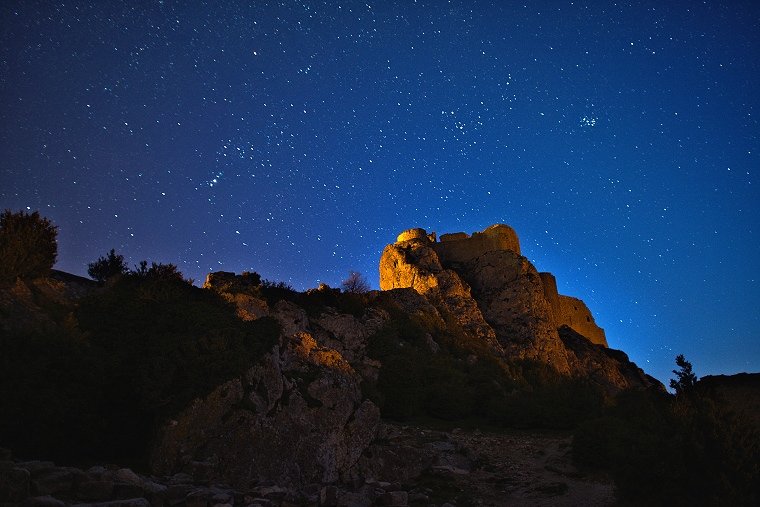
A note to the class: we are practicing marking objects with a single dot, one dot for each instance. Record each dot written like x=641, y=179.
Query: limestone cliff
x=499, y=295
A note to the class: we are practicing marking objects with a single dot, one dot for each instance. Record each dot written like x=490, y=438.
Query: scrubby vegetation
x=119, y=363
x=28, y=246
x=688, y=449
x=107, y=267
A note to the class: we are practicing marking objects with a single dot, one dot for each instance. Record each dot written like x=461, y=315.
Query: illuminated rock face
x=412, y=263
x=418, y=261
x=460, y=247
x=484, y=281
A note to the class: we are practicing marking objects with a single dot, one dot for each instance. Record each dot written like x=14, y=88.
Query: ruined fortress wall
x=458, y=247
x=575, y=314
x=461, y=248
x=549, y=283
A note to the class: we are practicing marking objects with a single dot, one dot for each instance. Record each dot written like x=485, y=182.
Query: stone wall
x=574, y=314
x=571, y=312
x=459, y=247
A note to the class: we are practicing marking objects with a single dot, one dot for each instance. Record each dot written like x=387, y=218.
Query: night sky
x=298, y=138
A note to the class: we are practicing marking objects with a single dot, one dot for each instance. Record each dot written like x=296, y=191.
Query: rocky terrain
x=413, y=466
x=298, y=429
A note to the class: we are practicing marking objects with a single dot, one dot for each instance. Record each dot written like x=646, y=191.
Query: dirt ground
x=516, y=468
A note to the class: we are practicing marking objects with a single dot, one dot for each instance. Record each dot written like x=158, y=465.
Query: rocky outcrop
x=295, y=419
x=607, y=367
x=413, y=263
x=21, y=302
x=497, y=294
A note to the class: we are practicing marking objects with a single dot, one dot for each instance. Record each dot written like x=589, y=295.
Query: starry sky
x=298, y=138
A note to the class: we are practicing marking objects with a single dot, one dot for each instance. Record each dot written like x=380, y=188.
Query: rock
x=44, y=501
x=296, y=418
x=607, y=367
x=248, y=307
x=353, y=499
x=414, y=264
x=125, y=474
x=509, y=291
x=129, y=502
x=395, y=498
x=15, y=485
x=328, y=497
x=53, y=481
x=95, y=491
x=291, y=317
x=127, y=490
x=496, y=294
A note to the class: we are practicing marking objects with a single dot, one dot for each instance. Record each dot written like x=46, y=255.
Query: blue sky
x=298, y=138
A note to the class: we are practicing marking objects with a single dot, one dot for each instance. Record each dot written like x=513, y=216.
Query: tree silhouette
x=686, y=379
x=356, y=283
x=108, y=266
x=28, y=246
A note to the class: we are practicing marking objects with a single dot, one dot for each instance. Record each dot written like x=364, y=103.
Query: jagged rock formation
x=297, y=418
x=499, y=295
x=412, y=263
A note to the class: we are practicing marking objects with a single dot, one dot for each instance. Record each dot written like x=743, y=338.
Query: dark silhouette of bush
x=689, y=449
x=28, y=246
x=562, y=403
x=107, y=266
x=158, y=271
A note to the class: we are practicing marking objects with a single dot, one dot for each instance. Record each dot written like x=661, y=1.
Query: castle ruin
x=460, y=248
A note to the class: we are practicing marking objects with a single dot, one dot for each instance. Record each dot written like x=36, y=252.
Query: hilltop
x=328, y=396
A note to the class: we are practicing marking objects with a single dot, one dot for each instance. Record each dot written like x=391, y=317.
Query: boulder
x=15, y=485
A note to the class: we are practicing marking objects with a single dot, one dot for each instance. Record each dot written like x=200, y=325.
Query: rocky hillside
x=254, y=385
x=497, y=294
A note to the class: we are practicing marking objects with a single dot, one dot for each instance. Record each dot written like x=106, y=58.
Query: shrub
x=158, y=271
x=685, y=450
x=28, y=246
x=107, y=267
